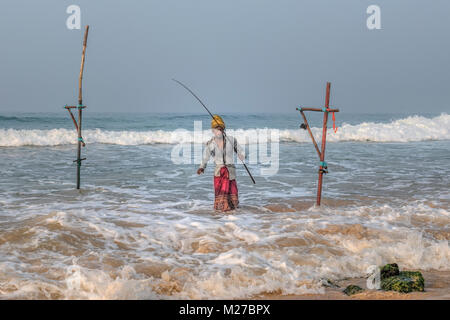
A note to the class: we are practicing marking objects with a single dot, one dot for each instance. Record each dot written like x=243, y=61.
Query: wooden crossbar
x=323, y=167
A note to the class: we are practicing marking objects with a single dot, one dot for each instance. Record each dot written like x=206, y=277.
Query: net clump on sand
x=401, y=281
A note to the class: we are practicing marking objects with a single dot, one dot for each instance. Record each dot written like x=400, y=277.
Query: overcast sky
x=238, y=55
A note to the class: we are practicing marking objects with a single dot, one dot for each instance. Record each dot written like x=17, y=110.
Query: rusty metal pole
x=323, y=166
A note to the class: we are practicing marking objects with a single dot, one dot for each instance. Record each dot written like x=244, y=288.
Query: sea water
x=143, y=227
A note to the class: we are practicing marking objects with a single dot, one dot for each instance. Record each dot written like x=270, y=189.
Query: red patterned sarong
x=226, y=192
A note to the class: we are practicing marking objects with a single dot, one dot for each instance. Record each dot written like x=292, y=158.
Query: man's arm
x=205, y=159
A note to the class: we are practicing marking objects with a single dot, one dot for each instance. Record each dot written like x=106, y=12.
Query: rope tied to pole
x=335, y=128
x=323, y=167
x=328, y=110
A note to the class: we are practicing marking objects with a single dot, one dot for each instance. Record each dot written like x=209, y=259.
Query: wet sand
x=437, y=287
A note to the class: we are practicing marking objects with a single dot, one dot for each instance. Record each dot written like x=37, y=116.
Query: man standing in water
x=221, y=148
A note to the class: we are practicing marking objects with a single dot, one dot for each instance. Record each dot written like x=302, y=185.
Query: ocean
x=143, y=226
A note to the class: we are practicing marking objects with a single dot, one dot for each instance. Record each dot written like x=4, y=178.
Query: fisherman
x=221, y=147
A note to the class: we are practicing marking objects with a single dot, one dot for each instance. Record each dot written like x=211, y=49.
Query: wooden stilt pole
x=83, y=56
x=80, y=113
x=323, y=167
x=80, y=108
x=310, y=133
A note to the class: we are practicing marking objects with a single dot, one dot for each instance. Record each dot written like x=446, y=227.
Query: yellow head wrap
x=217, y=121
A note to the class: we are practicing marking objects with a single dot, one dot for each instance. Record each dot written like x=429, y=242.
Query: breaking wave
x=176, y=255
x=414, y=128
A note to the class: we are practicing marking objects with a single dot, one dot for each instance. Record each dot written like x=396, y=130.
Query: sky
x=247, y=56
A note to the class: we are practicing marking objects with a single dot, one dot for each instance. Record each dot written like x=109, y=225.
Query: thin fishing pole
x=204, y=106
x=196, y=97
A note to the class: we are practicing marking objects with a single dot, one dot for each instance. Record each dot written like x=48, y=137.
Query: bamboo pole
x=80, y=107
x=74, y=122
x=319, y=109
x=80, y=112
x=73, y=119
x=322, y=167
x=80, y=79
x=310, y=133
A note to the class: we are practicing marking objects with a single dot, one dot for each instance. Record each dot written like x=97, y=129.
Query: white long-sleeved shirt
x=214, y=151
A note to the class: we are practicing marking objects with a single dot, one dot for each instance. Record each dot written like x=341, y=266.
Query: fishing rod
x=204, y=106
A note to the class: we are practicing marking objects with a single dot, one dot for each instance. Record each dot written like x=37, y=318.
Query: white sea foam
x=414, y=128
x=203, y=257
